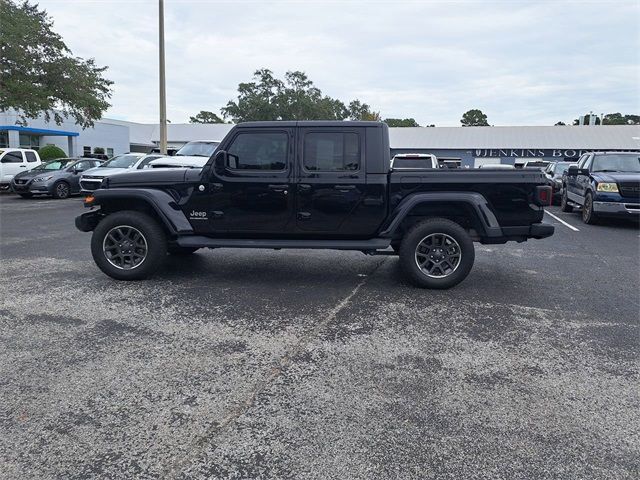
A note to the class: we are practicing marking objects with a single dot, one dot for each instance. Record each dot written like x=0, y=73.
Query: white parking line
x=562, y=222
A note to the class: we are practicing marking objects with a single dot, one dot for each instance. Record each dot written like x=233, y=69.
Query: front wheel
x=588, y=215
x=436, y=253
x=61, y=190
x=128, y=245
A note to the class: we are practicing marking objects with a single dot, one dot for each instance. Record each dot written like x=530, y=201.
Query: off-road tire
x=588, y=215
x=419, y=232
x=564, y=202
x=61, y=190
x=154, y=237
x=181, y=251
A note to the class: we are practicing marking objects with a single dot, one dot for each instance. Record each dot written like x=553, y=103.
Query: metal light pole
x=163, y=88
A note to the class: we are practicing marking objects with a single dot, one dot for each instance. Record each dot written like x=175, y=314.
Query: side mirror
x=573, y=171
x=221, y=160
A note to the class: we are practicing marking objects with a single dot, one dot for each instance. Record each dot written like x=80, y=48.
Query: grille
x=629, y=189
x=90, y=185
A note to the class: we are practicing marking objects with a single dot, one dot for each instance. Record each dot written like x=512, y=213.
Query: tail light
x=544, y=195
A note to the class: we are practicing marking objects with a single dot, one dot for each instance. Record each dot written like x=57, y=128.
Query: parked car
x=336, y=190
x=58, y=178
x=411, y=161
x=603, y=184
x=497, y=166
x=191, y=155
x=555, y=172
x=91, y=179
x=14, y=161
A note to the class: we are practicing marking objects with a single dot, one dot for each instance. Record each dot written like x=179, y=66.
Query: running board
x=207, y=242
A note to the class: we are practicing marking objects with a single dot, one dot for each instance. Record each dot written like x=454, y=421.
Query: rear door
x=331, y=179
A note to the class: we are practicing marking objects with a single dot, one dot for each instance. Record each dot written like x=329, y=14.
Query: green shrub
x=51, y=152
x=98, y=150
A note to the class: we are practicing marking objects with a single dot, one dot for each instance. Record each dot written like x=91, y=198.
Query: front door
x=253, y=193
x=331, y=179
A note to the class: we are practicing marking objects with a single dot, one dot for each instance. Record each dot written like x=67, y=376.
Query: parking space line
x=562, y=221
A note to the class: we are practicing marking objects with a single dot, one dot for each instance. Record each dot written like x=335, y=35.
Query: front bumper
x=616, y=208
x=87, y=222
x=31, y=187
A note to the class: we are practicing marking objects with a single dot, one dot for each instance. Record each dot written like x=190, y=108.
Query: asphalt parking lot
x=318, y=364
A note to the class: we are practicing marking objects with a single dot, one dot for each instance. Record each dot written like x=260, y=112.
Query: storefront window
x=4, y=139
x=29, y=141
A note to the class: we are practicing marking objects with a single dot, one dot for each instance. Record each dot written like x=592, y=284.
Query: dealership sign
x=528, y=152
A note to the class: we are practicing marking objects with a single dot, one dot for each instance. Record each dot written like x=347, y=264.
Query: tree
x=474, y=118
x=51, y=152
x=206, y=117
x=619, y=119
x=294, y=98
x=362, y=111
x=39, y=74
x=401, y=122
x=559, y=124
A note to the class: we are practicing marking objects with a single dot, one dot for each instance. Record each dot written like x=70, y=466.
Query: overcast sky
x=521, y=62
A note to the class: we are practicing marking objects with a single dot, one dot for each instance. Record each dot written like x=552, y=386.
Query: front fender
x=476, y=201
x=163, y=204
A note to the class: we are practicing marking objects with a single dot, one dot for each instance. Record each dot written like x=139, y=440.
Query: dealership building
x=467, y=147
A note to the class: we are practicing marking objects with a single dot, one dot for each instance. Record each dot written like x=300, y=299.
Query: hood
x=611, y=177
x=104, y=172
x=37, y=173
x=180, y=161
x=149, y=176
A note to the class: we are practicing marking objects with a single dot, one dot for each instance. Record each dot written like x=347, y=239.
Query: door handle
x=344, y=188
x=23, y=166
x=279, y=188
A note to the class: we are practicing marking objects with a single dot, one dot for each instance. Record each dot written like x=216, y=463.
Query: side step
x=207, y=242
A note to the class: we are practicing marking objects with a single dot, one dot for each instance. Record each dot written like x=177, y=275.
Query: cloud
x=521, y=63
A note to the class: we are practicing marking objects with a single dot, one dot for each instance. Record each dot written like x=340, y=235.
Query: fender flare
x=476, y=201
x=160, y=201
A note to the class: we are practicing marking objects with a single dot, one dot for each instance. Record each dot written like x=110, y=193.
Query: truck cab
x=14, y=161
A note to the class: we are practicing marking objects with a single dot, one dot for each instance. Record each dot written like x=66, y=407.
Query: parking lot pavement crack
x=200, y=442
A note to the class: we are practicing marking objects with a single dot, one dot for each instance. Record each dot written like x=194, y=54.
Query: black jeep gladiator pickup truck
x=313, y=184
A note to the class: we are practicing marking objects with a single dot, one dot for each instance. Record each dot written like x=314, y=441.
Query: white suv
x=14, y=161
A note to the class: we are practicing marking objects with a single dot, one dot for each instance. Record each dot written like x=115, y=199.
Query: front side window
x=331, y=151
x=259, y=151
x=12, y=157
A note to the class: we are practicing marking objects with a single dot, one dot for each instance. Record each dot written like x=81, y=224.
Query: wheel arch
x=158, y=204
x=468, y=209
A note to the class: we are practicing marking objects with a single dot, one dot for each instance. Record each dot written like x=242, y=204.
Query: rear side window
x=259, y=151
x=331, y=151
x=31, y=157
x=12, y=157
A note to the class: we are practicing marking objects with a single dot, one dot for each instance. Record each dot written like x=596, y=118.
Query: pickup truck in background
x=14, y=161
x=603, y=184
x=192, y=155
x=314, y=185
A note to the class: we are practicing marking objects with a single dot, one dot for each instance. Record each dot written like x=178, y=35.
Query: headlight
x=44, y=179
x=607, y=187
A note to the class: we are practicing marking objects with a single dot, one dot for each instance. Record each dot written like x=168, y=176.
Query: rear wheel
x=436, y=253
x=61, y=190
x=564, y=202
x=128, y=245
x=588, y=215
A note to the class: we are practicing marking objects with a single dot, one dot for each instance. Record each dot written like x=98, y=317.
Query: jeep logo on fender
x=198, y=215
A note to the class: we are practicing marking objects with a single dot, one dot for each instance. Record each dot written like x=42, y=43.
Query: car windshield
x=197, y=149
x=55, y=164
x=616, y=163
x=121, y=161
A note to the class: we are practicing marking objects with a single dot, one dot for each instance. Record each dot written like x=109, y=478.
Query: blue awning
x=40, y=131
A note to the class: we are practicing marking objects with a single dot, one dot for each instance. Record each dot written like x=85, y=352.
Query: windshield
x=54, y=165
x=616, y=163
x=121, y=161
x=197, y=149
